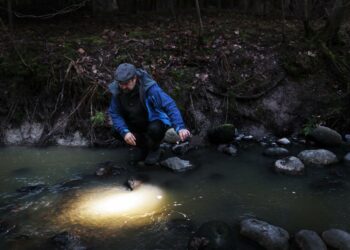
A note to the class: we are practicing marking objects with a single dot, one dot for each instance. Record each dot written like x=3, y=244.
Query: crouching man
x=142, y=112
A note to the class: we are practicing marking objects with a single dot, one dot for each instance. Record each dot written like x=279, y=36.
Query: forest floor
x=61, y=68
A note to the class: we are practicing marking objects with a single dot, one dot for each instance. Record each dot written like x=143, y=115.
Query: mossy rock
x=326, y=136
x=221, y=134
x=212, y=235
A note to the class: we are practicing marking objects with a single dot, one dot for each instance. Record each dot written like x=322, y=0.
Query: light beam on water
x=113, y=206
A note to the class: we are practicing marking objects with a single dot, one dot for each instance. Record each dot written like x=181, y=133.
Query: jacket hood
x=145, y=80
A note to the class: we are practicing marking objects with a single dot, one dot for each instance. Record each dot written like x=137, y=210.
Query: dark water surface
x=163, y=213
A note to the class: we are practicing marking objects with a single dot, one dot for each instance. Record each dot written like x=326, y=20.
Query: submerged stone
x=222, y=134
x=309, y=240
x=228, y=149
x=69, y=241
x=326, y=136
x=290, y=165
x=336, y=238
x=33, y=189
x=6, y=227
x=107, y=168
x=268, y=236
x=318, y=157
x=213, y=235
x=133, y=183
x=177, y=164
x=275, y=151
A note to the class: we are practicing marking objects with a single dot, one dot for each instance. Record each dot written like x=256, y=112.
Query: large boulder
x=222, y=134
x=213, y=235
x=309, y=240
x=326, y=136
x=268, y=236
x=337, y=239
x=275, y=151
x=290, y=165
x=317, y=157
x=177, y=164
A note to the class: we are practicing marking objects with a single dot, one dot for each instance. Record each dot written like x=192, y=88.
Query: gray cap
x=125, y=72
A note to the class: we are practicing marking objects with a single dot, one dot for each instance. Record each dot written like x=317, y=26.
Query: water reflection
x=113, y=206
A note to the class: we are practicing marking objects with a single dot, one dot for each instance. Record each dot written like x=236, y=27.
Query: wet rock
x=27, y=133
x=268, y=236
x=328, y=183
x=222, y=134
x=6, y=227
x=171, y=136
x=290, y=165
x=347, y=138
x=248, y=138
x=177, y=164
x=165, y=146
x=76, y=140
x=108, y=168
x=33, y=189
x=181, y=149
x=347, y=159
x=337, y=239
x=133, y=183
x=317, y=157
x=213, y=235
x=283, y=141
x=326, y=136
x=228, y=149
x=180, y=225
x=309, y=240
x=67, y=241
x=276, y=151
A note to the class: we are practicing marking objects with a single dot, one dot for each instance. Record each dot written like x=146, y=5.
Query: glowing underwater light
x=113, y=206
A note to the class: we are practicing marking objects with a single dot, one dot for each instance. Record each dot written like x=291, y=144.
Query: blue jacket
x=158, y=104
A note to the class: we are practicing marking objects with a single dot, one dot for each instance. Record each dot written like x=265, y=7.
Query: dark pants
x=149, y=137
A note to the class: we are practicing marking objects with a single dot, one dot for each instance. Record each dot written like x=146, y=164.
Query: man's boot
x=153, y=156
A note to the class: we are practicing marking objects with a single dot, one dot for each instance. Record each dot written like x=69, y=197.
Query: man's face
x=129, y=85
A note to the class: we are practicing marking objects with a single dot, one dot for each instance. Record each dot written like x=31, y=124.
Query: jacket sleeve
x=117, y=119
x=166, y=103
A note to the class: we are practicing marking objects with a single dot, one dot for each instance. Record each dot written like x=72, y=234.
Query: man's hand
x=130, y=139
x=184, y=133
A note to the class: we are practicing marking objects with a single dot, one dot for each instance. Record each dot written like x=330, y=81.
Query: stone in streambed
x=326, y=136
x=268, y=236
x=317, y=157
x=177, y=164
x=213, y=235
x=290, y=165
x=275, y=151
x=309, y=240
x=337, y=239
